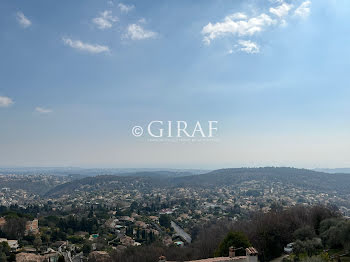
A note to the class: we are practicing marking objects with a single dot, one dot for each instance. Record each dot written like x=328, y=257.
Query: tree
x=15, y=226
x=133, y=206
x=37, y=242
x=4, y=247
x=309, y=247
x=336, y=233
x=165, y=221
x=304, y=233
x=328, y=223
x=61, y=259
x=138, y=233
x=129, y=231
x=86, y=248
x=276, y=207
x=235, y=239
x=3, y=257
x=12, y=257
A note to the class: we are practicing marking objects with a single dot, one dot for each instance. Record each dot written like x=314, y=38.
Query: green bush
x=235, y=239
x=304, y=233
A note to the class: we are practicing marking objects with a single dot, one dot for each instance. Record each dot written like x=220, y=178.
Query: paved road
x=181, y=232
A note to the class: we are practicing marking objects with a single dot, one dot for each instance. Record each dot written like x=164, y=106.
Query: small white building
x=12, y=243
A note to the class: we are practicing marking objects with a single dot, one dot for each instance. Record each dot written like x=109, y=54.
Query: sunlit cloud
x=137, y=32
x=233, y=27
x=5, y=101
x=248, y=47
x=125, y=8
x=23, y=20
x=43, y=110
x=86, y=47
x=105, y=20
x=303, y=10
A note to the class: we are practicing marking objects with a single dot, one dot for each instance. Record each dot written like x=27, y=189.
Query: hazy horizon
x=175, y=168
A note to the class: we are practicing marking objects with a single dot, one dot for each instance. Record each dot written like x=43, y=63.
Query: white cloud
x=5, y=101
x=242, y=27
x=110, y=3
x=303, y=10
x=238, y=16
x=136, y=32
x=42, y=110
x=90, y=48
x=125, y=8
x=277, y=1
x=248, y=46
x=105, y=20
x=23, y=20
x=281, y=10
x=238, y=25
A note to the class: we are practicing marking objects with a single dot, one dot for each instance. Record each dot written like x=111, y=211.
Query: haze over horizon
x=120, y=170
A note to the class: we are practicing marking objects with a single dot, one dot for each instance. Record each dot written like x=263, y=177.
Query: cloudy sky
x=76, y=76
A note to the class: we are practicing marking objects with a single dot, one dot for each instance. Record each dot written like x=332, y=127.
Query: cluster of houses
x=31, y=227
x=29, y=254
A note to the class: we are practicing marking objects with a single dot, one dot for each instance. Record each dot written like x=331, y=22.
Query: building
x=28, y=257
x=99, y=256
x=51, y=256
x=32, y=227
x=127, y=241
x=126, y=219
x=13, y=244
x=251, y=254
x=166, y=211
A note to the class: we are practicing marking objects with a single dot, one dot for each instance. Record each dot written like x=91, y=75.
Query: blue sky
x=76, y=76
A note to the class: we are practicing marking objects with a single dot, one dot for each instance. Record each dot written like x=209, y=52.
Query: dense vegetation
x=268, y=233
x=238, y=240
x=312, y=229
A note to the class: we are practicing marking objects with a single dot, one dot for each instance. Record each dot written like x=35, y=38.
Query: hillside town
x=90, y=224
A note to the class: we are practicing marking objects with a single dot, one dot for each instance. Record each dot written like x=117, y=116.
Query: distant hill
x=137, y=180
x=52, y=181
x=162, y=174
x=334, y=170
x=85, y=172
x=107, y=182
x=301, y=178
x=32, y=184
